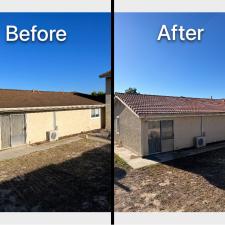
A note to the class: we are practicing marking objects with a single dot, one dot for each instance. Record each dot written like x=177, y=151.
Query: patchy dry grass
x=120, y=163
x=191, y=184
x=71, y=177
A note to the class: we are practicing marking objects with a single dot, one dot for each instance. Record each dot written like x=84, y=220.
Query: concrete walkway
x=100, y=139
x=132, y=159
x=137, y=162
x=16, y=152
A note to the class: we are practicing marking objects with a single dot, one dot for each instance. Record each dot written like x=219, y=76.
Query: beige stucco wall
x=108, y=112
x=37, y=124
x=76, y=121
x=108, y=104
x=130, y=128
x=0, y=134
x=187, y=128
x=68, y=122
x=214, y=128
x=185, y=131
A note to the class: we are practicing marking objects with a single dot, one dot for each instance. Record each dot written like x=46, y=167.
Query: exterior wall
x=214, y=128
x=185, y=131
x=0, y=134
x=187, y=128
x=37, y=124
x=130, y=128
x=76, y=121
x=144, y=137
x=68, y=123
x=103, y=118
x=108, y=112
x=108, y=104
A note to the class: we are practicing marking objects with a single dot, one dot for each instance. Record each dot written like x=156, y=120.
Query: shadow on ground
x=210, y=165
x=120, y=174
x=81, y=184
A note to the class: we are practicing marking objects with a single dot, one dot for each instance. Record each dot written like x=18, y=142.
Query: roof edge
x=106, y=74
x=50, y=108
x=116, y=97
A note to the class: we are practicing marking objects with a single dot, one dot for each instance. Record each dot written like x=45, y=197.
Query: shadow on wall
x=210, y=165
x=81, y=184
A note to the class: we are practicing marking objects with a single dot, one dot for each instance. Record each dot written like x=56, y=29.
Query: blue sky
x=73, y=65
x=195, y=69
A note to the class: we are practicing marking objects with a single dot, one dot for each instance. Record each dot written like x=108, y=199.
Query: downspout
x=202, y=132
x=54, y=121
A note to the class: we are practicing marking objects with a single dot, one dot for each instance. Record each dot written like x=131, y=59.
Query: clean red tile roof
x=34, y=98
x=144, y=105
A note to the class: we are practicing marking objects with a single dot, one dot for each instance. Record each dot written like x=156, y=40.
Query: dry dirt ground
x=191, y=184
x=72, y=177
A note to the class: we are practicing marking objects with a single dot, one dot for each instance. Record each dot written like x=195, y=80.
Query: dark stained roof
x=106, y=75
x=145, y=105
x=34, y=98
x=98, y=98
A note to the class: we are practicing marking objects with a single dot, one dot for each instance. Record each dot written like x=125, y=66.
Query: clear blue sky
x=170, y=68
x=73, y=65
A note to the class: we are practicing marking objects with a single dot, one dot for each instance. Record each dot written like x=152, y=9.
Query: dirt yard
x=72, y=177
x=191, y=184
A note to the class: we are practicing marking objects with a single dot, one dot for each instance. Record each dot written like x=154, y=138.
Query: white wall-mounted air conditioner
x=200, y=141
x=52, y=135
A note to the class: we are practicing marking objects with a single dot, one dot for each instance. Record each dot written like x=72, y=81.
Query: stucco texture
x=37, y=124
x=68, y=123
x=129, y=128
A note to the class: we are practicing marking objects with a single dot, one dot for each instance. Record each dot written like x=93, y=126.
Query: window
x=166, y=129
x=153, y=124
x=117, y=124
x=95, y=113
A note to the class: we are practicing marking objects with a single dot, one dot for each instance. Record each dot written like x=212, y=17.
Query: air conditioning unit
x=200, y=142
x=52, y=135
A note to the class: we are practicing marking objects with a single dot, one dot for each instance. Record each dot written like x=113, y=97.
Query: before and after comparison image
x=112, y=112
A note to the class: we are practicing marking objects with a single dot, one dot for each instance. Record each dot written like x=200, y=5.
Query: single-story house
x=31, y=116
x=149, y=124
x=107, y=77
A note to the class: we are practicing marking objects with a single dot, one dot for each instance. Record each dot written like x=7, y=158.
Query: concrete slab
x=100, y=139
x=168, y=156
x=132, y=159
x=137, y=162
x=27, y=149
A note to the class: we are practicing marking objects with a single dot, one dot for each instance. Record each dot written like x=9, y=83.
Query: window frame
x=96, y=115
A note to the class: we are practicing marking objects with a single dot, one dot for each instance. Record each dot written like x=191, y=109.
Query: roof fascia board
x=52, y=108
x=154, y=116
x=116, y=97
